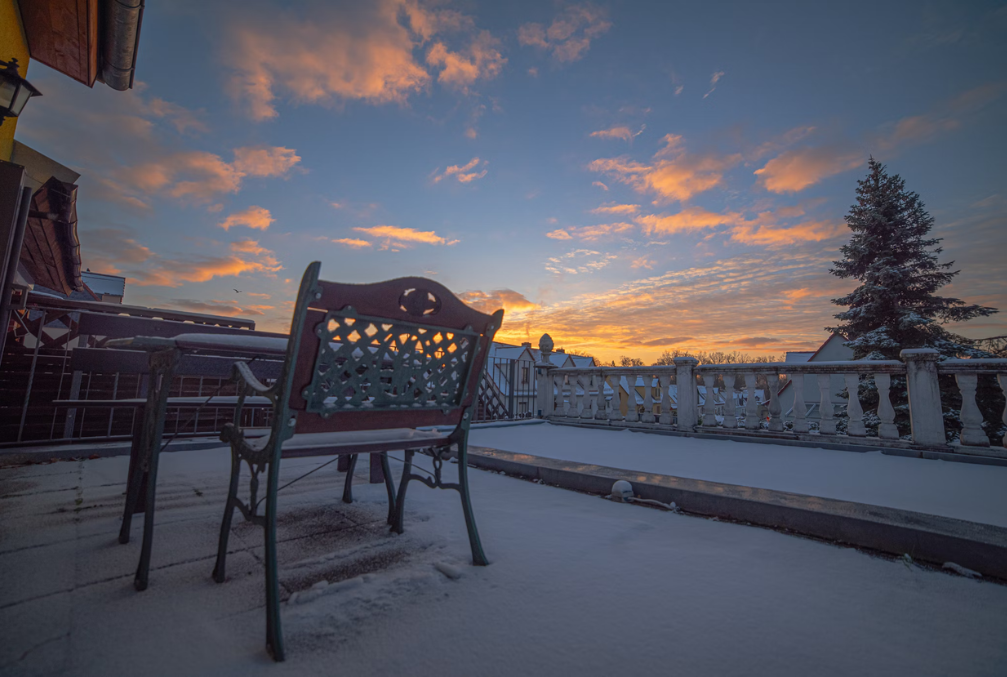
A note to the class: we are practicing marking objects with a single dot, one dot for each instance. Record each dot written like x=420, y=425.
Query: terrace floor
x=577, y=585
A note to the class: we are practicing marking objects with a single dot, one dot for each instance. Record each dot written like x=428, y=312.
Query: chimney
x=526, y=344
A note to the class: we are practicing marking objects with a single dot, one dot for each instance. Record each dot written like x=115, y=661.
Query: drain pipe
x=120, y=39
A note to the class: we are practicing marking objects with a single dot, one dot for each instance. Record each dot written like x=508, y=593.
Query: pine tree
x=895, y=306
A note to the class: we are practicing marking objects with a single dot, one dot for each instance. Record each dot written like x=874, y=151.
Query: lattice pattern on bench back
x=400, y=353
x=375, y=363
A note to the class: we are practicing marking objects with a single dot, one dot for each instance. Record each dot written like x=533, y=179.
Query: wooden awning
x=51, y=250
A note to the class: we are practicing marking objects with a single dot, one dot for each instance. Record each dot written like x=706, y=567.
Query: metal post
x=512, y=385
x=31, y=375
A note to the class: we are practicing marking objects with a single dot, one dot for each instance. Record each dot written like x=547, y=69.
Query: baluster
x=664, y=380
x=887, y=430
x=773, y=386
x=648, y=399
x=1002, y=380
x=564, y=402
x=632, y=415
x=593, y=401
x=827, y=421
x=600, y=404
x=709, y=406
x=972, y=419
x=615, y=406
x=751, y=406
x=800, y=408
x=581, y=390
x=855, y=413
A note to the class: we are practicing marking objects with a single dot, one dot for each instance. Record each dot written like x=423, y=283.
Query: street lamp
x=14, y=90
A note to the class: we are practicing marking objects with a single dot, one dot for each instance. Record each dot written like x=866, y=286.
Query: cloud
x=778, y=236
x=199, y=175
x=253, y=217
x=714, y=305
x=481, y=61
x=690, y=219
x=643, y=262
x=364, y=51
x=395, y=237
x=489, y=302
x=714, y=79
x=569, y=36
x=119, y=253
x=666, y=341
x=579, y=262
x=224, y=308
x=616, y=209
x=601, y=185
x=181, y=118
x=621, y=132
x=463, y=173
x=353, y=242
x=590, y=233
x=673, y=174
x=797, y=169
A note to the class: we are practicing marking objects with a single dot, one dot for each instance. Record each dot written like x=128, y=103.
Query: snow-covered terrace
x=578, y=585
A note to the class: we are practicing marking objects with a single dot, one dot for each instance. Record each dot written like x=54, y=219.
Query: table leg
x=162, y=368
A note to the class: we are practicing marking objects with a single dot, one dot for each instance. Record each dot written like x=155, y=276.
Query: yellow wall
x=12, y=44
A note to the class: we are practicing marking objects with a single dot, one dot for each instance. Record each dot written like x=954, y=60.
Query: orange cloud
x=489, y=302
x=590, y=233
x=643, y=262
x=601, y=185
x=481, y=61
x=200, y=175
x=690, y=219
x=773, y=235
x=353, y=242
x=569, y=36
x=253, y=217
x=797, y=169
x=616, y=209
x=360, y=52
x=673, y=174
x=181, y=118
x=463, y=173
x=121, y=254
x=400, y=238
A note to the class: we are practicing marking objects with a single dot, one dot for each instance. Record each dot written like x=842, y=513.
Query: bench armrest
x=242, y=374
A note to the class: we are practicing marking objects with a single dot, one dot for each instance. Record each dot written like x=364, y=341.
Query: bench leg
x=274, y=631
x=225, y=525
x=143, y=568
x=389, y=486
x=478, y=556
x=348, y=485
x=400, y=501
x=134, y=482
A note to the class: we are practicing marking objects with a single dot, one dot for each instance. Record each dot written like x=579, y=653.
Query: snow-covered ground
x=962, y=490
x=577, y=586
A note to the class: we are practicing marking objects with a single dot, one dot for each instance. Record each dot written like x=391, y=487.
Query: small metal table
x=164, y=357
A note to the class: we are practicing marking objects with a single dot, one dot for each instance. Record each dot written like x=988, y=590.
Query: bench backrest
x=397, y=354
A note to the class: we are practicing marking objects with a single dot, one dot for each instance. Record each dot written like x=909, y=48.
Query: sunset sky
x=630, y=177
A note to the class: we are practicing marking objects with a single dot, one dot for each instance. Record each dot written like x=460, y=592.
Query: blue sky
x=630, y=177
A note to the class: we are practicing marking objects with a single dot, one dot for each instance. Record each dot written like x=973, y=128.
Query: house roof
x=51, y=250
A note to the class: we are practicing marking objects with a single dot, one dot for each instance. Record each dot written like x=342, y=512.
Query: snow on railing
x=727, y=397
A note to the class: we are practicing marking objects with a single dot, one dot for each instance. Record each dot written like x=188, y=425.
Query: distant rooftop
x=101, y=283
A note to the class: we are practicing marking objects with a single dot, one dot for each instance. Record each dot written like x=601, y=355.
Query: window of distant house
x=525, y=375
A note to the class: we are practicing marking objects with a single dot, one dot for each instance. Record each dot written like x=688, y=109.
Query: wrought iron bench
x=366, y=365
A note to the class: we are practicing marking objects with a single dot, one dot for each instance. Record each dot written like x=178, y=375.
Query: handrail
x=36, y=299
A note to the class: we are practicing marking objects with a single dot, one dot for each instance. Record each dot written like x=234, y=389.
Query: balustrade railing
x=776, y=398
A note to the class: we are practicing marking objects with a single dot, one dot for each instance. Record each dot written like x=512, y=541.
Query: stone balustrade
x=746, y=399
